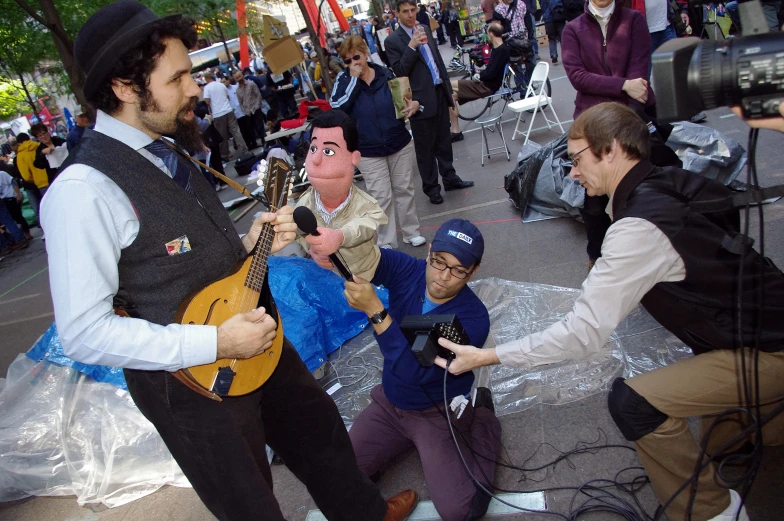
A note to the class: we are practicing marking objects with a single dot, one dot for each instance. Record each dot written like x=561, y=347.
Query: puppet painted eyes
x=327, y=151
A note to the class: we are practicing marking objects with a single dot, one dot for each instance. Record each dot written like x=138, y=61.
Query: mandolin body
x=212, y=306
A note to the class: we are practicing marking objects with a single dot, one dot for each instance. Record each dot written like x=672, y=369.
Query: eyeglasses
x=574, y=159
x=354, y=58
x=440, y=265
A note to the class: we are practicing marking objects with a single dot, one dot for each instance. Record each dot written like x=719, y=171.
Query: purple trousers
x=382, y=432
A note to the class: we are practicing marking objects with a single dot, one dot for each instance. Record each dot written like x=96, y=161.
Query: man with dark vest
x=681, y=260
x=134, y=225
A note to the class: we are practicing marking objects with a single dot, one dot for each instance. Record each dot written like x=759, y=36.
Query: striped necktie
x=179, y=172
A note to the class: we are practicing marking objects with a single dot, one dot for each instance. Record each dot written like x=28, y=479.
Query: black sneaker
x=554, y=59
x=457, y=136
x=484, y=398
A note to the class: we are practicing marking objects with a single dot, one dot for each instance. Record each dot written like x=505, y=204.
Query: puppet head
x=332, y=157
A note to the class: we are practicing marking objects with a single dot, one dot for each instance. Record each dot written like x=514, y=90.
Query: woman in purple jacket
x=606, y=54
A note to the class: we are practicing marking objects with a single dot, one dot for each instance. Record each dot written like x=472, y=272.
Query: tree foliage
x=13, y=98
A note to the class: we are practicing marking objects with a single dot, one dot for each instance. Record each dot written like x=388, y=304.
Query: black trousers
x=597, y=222
x=259, y=126
x=220, y=446
x=433, y=147
x=16, y=214
x=247, y=131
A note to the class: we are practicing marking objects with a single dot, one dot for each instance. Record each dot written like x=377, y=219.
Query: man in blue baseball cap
x=407, y=411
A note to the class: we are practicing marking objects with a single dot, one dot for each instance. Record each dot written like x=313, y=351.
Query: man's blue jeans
x=7, y=221
x=657, y=40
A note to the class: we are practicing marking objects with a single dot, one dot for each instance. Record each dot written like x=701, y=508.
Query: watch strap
x=377, y=318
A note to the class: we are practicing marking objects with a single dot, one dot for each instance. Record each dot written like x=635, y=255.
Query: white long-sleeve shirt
x=636, y=255
x=88, y=221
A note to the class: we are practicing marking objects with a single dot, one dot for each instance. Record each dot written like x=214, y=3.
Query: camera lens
x=710, y=76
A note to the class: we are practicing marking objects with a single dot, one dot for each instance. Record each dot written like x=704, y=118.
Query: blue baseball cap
x=462, y=239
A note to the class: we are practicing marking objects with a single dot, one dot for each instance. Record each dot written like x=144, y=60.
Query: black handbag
x=520, y=48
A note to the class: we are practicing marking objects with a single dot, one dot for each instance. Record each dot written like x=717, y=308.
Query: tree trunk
x=29, y=98
x=378, y=8
x=322, y=53
x=64, y=46
x=225, y=45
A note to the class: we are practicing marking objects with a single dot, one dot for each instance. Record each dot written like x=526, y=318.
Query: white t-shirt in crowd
x=216, y=92
x=656, y=15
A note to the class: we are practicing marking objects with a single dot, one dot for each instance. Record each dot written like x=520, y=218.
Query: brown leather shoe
x=401, y=506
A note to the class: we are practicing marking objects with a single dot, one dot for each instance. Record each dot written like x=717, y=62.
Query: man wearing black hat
x=407, y=411
x=134, y=225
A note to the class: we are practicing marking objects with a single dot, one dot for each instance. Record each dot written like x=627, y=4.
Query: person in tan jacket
x=347, y=217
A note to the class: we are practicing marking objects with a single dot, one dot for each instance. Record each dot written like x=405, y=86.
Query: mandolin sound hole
x=209, y=313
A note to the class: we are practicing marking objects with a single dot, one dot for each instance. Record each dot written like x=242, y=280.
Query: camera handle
x=752, y=19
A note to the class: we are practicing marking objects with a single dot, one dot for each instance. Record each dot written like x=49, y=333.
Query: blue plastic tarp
x=316, y=317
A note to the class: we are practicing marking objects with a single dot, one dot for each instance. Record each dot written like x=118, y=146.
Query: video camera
x=691, y=75
x=423, y=332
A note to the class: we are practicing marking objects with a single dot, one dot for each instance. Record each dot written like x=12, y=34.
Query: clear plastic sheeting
x=63, y=434
x=707, y=151
x=639, y=344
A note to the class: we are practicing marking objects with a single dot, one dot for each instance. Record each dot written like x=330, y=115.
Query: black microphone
x=306, y=222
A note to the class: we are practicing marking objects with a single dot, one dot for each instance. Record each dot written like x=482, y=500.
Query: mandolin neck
x=261, y=253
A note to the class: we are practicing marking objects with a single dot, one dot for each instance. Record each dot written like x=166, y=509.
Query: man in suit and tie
x=412, y=52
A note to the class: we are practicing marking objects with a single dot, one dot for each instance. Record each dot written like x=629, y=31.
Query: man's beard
x=185, y=132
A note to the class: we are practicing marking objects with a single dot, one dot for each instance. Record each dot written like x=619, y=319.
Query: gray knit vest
x=153, y=284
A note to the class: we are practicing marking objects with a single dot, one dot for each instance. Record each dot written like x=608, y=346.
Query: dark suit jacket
x=410, y=62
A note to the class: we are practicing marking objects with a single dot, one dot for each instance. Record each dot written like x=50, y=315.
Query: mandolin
x=239, y=292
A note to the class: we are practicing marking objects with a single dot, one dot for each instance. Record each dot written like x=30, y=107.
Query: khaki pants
x=705, y=385
x=227, y=124
x=390, y=180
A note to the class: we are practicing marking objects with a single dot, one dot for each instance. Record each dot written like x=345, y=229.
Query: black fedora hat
x=107, y=34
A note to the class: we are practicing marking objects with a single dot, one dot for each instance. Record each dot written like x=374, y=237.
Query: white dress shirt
x=88, y=221
x=636, y=255
x=235, y=102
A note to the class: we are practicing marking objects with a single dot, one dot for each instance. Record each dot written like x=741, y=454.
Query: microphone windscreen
x=305, y=220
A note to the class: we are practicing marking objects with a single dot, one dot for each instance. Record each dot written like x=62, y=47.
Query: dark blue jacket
x=371, y=107
x=73, y=137
x=406, y=383
x=552, y=11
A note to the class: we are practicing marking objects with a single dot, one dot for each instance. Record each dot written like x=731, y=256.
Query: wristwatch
x=377, y=318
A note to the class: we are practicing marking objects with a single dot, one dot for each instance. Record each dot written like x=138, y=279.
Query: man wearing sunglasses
x=407, y=411
x=673, y=250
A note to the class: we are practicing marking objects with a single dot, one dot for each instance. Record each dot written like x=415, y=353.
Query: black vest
x=701, y=309
x=153, y=283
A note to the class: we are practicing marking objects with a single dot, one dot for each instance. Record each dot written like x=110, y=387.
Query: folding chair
x=492, y=122
x=538, y=101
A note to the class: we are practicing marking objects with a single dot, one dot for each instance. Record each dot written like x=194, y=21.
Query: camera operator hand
x=769, y=123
